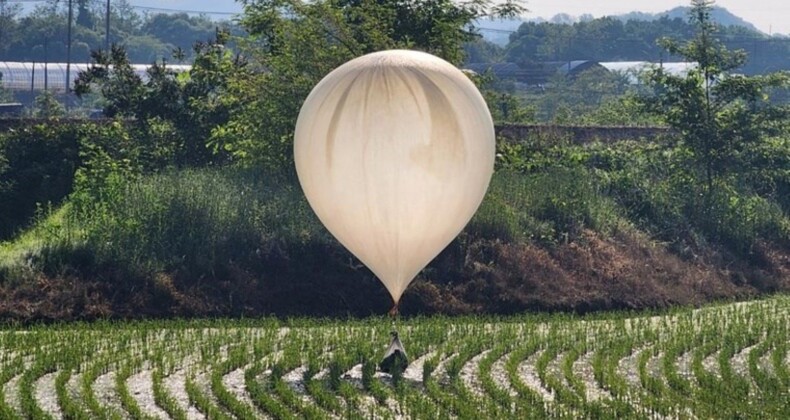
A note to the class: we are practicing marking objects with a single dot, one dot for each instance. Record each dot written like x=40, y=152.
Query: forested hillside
x=615, y=39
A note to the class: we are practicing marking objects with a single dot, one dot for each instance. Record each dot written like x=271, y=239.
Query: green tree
x=177, y=111
x=295, y=43
x=47, y=106
x=5, y=94
x=9, y=32
x=719, y=114
x=179, y=30
x=85, y=17
x=572, y=97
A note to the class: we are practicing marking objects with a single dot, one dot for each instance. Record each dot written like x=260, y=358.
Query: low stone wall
x=577, y=134
x=582, y=134
x=7, y=124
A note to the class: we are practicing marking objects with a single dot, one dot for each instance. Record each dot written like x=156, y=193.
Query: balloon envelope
x=394, y=151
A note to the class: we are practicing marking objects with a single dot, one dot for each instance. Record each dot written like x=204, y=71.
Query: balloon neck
x=393, y=313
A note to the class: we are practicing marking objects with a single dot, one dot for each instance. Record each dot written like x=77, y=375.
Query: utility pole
x=107, y=29
x=2, y=21
x=68, y=47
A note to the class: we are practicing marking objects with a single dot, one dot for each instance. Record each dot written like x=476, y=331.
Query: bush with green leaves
x=37, y=165
x=549, y=206
x=193, y=222
x=652, y=185
x=720, y=115
x=175, y=113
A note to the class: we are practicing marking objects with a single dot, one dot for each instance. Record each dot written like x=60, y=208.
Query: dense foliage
x=41, y=35
x=612, y=39
x=37, y=166
x=295, y=43
x=722, y=117
x=176, y=111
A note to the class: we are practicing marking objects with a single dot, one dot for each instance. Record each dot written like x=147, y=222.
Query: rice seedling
x=722, y=360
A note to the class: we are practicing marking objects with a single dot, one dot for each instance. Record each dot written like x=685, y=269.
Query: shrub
x=37, y=165
x=548, y=206
x=193, y=220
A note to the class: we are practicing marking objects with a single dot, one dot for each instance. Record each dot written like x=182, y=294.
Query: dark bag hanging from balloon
x=395, y=358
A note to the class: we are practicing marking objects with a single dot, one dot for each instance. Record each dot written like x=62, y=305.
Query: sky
x=770, y=16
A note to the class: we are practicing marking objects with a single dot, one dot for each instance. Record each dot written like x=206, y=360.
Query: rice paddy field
x=723, y=361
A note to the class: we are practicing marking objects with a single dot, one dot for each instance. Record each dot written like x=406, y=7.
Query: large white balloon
x=394, y=151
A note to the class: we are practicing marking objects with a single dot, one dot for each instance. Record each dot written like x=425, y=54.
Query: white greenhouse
x=632, y=69
x=28, y=76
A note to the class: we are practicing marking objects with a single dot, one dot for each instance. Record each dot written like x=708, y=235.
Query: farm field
x=721, y=361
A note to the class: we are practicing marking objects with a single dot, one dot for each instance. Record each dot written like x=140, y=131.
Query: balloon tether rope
x=394, y=316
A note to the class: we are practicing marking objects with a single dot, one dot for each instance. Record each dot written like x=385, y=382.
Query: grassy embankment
x=563, y=227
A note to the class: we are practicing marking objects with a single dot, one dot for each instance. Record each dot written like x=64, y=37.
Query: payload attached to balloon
x=394, y=151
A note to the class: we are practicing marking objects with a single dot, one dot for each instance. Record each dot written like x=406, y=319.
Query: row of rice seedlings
x=677, y=386
x=654, y=394
x=736, y=330
x=262, y=393
x=443, y=394
x=500, y=402
x=237, y=358
x=570, y=389
x=99, y=367
x=779, y=362
x=10, y=369
x=706, y=332
x=42, y=365
x=131, y=367
x=471, y=402
x=291, y=359
x=604, y=364
x=769, y=387
x=325, y=391
x=203, y=402
x=163, y=399
x=529, y=404
x=71, y=408
x=557, y=341
x=495, y=391
x=165, y=361
x=223, y=347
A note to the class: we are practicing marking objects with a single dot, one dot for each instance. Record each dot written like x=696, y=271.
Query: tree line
x=41, y=35
x=612, y=39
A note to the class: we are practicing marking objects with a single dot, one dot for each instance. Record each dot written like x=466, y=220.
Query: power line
x=151, y=8
x=163, y=9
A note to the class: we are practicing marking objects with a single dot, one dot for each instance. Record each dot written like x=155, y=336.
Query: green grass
x=52, y=226
x=197, y=221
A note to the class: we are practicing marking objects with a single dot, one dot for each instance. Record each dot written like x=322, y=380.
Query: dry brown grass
x=624, y=271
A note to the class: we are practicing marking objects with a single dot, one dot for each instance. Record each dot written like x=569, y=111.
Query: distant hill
x=720, y=15
x=498, y=30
